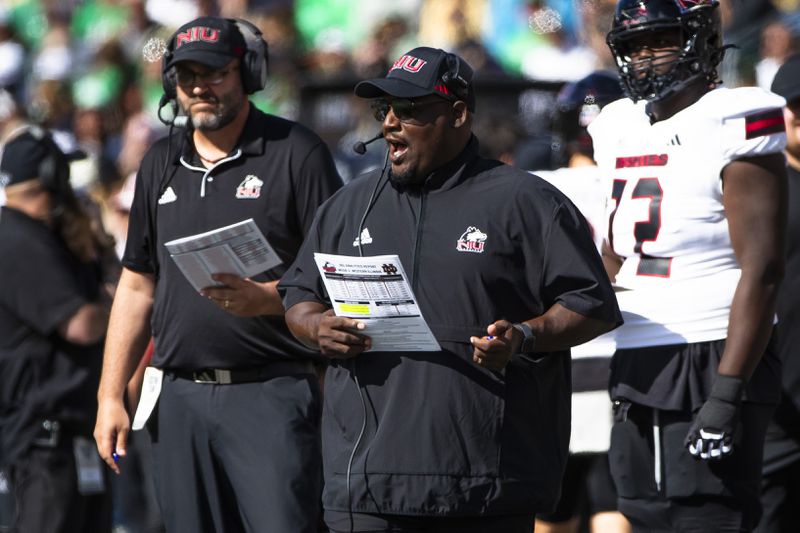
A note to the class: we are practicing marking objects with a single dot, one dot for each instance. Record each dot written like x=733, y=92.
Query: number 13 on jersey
x=646, y=230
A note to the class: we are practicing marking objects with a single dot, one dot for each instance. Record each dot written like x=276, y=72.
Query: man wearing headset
x=471, y=438
x=235, y=431
x=53, y=316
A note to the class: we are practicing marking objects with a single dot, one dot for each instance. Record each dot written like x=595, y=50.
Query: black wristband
x=528, y=338
x=727, y=388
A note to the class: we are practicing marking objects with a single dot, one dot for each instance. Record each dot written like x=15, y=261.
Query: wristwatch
x=528, y=338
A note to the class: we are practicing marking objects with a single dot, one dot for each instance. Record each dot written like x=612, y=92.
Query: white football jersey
x=665, y=211
x=592, y=413
x=586, y=188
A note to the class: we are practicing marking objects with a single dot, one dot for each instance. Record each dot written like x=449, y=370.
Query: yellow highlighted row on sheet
x=355, y=309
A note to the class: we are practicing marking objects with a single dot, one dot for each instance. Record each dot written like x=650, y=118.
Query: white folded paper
x=239, y=249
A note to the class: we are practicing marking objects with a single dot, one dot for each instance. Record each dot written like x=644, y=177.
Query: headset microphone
x=178, y=121
x=361, y=146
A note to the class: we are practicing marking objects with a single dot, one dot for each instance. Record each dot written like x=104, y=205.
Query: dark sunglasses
x=190, y=78
x=405, y=109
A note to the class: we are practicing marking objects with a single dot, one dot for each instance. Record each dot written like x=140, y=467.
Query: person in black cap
x=53, y=316
x=781, y=470
x=471, y=437
x=235, y=432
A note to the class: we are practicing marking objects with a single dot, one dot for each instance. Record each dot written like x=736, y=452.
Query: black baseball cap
x=786, y=82
x=210, y=41
x=22, y=156
x=419, y=73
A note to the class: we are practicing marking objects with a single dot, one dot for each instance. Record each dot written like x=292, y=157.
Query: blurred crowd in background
x=91, y=71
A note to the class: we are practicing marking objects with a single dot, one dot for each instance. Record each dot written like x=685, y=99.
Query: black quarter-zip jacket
x=480, y=241
x=278, y=174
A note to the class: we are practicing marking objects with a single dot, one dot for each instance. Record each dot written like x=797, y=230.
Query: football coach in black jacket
x=471, y=438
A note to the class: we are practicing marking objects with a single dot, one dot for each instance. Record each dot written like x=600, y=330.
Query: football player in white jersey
x=696, y=239
x=588, y=491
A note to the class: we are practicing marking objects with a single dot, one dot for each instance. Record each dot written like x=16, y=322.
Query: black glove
x=711, y=434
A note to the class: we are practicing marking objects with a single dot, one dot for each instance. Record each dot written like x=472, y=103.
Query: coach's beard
x=224, y=112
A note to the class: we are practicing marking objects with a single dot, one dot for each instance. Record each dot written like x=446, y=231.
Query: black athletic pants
x=238, y=457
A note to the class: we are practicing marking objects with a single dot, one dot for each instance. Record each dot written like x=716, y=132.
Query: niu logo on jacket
x=408, y=63
x=473, y=240
x=250, y=188
x=198, y=33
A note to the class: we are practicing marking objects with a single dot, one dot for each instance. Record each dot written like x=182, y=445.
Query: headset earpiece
x=51, y=168
x=47, y=171
x=54, y=169
x=453, y=79
x=168, y=77
x=254, y=62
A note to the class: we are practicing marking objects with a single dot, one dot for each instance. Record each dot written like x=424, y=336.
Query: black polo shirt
x=42, y=376
x=480, y=241
x=277, y=175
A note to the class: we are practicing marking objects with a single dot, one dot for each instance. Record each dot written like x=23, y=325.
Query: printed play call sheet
x=375, y=290
x=239, y=249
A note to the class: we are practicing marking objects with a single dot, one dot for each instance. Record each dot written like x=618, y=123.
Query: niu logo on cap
x=198, y=33
x=408, y=63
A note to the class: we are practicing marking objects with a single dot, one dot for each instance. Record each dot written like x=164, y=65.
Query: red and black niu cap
x=423, y=71
x=210, y=41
